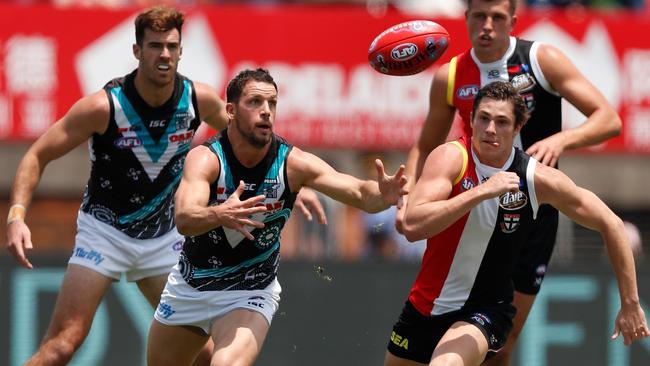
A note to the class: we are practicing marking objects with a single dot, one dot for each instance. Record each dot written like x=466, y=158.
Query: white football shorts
x=181, y=304
x=104, y=249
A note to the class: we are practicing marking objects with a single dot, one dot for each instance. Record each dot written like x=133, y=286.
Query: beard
x=250, y=137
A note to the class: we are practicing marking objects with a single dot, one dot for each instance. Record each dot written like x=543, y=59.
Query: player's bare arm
x=584, y=207
x=602, y=122
x=86, y=117
x=430, y=210
x=194, y=216
x=305, y=169
x=212, y=108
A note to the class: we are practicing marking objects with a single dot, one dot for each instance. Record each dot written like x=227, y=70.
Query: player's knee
x=447, y=359
x=229, y=359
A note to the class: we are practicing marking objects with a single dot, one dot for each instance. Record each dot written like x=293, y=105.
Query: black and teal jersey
x=138, y=161
x=224, y=259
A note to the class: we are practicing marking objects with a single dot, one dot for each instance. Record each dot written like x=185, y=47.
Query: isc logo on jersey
x=513, y=201
x=404, y=51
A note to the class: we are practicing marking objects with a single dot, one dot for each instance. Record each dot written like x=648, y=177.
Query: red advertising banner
x=329, y=96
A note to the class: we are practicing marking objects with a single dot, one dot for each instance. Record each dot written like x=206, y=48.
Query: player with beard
x=234, y=198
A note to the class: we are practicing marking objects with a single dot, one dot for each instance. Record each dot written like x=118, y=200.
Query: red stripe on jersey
x=441, y=249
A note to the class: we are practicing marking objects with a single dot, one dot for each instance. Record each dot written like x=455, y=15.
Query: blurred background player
x=543, y=76
x=476, y=201
x=235, y=196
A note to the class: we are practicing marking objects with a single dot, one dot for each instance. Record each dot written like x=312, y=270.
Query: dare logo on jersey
x=523, y=82
x=513, y=200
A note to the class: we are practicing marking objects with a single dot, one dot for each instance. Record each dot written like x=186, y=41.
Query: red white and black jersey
x=470, y=263
x=520, y=67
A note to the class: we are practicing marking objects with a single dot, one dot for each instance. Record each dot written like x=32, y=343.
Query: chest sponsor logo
x=493, y=74
x=467, y=92
x=404, y=51
x=124, y=143
x=523, y=82
x=182, y=138
x=510, y=223
x=467, y=184
x=513, y=201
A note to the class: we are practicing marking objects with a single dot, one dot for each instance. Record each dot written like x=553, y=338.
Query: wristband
x=16, y=212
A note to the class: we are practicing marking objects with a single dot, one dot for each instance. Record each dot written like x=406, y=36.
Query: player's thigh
x=392, y=360
x=80, y=294
x=173, y=345
x=152, y=287
x=462, y=344
x=240, y=332
x=523, y=303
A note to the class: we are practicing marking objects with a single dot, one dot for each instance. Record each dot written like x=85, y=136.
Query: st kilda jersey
x=223, y=259
x=137, y=163
x=520, y=67
x=469, y=264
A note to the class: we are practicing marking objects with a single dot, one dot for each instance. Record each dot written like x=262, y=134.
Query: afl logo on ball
x=404, y=51
x=513, y=201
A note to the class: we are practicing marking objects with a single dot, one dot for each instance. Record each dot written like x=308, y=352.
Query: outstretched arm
x=602, y=120
x=86, y=117
x=430, y=210
x=585, y=208
x=192, y=213
x=308, y=170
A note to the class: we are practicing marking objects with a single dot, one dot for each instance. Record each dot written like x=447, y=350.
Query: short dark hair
x=512, y=7
x=236, y=85
x=158, y=19
x=500, y=90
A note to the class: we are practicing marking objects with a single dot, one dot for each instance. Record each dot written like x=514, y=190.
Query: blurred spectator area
x=440, y=8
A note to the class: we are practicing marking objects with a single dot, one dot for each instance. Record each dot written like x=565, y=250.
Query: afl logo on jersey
x=513, y=201
x=128, y=142
x=467, y=92
x=467, y=184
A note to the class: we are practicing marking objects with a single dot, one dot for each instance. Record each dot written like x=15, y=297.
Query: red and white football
x=408, y=48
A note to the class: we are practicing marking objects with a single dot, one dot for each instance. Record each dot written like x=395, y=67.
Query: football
x=408, y=48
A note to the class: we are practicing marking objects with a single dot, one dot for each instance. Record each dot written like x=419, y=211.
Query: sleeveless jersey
x=222, y=258
x=137, y=162
x=519, y=66
x=470, y=263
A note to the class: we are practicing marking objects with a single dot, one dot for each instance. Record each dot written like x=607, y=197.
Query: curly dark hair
x=500, y=90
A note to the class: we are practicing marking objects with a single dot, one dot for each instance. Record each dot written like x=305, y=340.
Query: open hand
x=308, y=202
x=236, y=213
x=392, y=187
